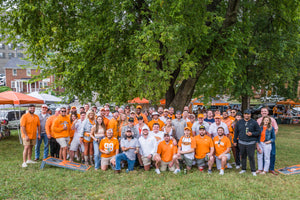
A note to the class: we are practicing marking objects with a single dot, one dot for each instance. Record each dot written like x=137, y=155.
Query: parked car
x=272, y=98
x=11, y=118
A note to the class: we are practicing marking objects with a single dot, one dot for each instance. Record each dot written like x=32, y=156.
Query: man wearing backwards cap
x=43, y=116
x=54, y=146
x=130, y=147
x=147, y=148
x=155, y=119
x=248, y=132
x=213, y=128
x=139, y=113
x=204, y=150
x=197, y=124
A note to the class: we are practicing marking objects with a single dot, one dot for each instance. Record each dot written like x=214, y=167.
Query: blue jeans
x=97, y=155
x=122, y=156
x=38, y=146
x=273, y=157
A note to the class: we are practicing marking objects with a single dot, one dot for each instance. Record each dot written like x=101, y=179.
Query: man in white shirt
x=148, y=147
x=213, y=128
x=197, y=124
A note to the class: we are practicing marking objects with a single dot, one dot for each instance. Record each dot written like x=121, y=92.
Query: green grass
x=58, y=183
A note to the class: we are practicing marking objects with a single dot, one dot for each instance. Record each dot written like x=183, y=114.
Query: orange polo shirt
x=161, y=124
x=58, y=127
x=106, y=121
x=113, y=124
x=166, y=151
x=203, y=146
x=48, y=125
x=31, y=122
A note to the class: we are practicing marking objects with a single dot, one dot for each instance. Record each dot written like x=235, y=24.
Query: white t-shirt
x=147, y=146
x=158, y=136
x=213, y=129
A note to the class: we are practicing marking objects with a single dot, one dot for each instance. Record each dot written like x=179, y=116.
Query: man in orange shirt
x=222, y=149
x=61, y=130
x=54, y=146
x=204, y=150
x=109, y=147
x=171, y=112
x=166, y=156
x=105, y=120
x=191, y=122
x=139, y=113
x=113, y=124
x=30, y=127
x=233, y=113
x=155, y=119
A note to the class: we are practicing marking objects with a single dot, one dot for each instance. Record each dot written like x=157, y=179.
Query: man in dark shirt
x=247, y=131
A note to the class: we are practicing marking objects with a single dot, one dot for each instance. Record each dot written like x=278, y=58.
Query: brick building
x=18, y=74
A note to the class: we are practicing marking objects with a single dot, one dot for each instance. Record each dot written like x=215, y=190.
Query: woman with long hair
x=98, y=133
x=264, y=147
x=88, y=123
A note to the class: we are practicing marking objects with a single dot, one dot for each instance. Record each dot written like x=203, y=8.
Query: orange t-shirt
x=72, y=131
x=48, y=126
x=31, y=123
x=161, y=124
x=58, y=127
x=203, y=146
x=263, y=134
x=109, y=144
x=166, y=151
x=221, y=145
x=113, y=124
x=106, y=121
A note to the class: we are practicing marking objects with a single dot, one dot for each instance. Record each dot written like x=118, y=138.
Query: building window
x=2, y=46
x=13, y=84
x=28, y=72
x=10, y=46
x=43, y=85
x=20, y=55
x=11, y=55
x=2, y=55
x=14, y=72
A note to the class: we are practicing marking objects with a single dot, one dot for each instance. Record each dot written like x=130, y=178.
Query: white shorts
x=75, y=144
x=218, y=161
x=63, y=142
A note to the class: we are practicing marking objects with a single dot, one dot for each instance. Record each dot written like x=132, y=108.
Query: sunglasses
x=63, y=111
x=219, y=142
x=233, y=112
x=166, y=136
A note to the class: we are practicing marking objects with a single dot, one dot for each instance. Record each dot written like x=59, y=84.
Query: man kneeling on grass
x=222, y=150
x=166, y=156
x=130, y=147
x=109, y=147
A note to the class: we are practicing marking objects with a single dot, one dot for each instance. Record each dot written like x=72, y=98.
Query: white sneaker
x=24, y=164
x=237, y=167
x=176, y=171
x=229, y=166
x=221, y=172
x=243, y=171
x=254, y=173
x=30, y=162
x=157, y=171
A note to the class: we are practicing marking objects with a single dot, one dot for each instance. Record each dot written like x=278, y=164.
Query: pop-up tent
x=47, y=98
x=6, y=101
x=139, y=101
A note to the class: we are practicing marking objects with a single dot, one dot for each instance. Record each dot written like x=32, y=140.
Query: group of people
x=163, y=139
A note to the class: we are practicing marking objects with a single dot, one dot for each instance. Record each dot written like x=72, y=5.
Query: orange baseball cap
x=188, y=128
x=200, y=115
x=73, y=107
x=139, y=106
x=217, y=116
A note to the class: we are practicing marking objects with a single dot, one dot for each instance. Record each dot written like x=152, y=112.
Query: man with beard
x=139, y=113
x=247, y=131
x=130, y=147
x=197, y=124
x=160, y=110
x=204, y=150
x=164, y=116
x=156, y=120
x=54, y=146
x=213, y=128
x=171, y=113
x=265, y=112
x=179, y=124
x=148, y=148
x=30, y=129
x=134, y=130
x=210, y=117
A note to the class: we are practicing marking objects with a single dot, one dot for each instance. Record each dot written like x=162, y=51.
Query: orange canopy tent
x=219, y=103
x=6, y=101
x=196, y=102
x=139, y=101
x=162, y=102
x=19, y=98
x=287, y=102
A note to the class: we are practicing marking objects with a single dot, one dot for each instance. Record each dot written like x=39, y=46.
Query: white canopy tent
x=47, y=98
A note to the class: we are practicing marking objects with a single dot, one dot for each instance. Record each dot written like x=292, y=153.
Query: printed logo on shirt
x=186, y=141
x=109, y=146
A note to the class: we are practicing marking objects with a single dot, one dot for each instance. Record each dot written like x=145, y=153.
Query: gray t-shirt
x=132, y=143
x=179, y=127
x=196, y=126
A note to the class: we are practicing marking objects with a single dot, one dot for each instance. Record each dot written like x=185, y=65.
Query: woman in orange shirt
x=88, y=123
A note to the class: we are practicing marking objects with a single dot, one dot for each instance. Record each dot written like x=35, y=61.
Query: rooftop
x=17, y=63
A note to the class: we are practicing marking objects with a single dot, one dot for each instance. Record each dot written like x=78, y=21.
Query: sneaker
x=209, y=171
x=221, y=172
x=30, y=162
x=263, y=173
x=24, y=164
x=157, y=171
x=237, y=167
x=36, y=159
x=243, y=171
x=176, y=171
x=254, y=173
x=229, y=166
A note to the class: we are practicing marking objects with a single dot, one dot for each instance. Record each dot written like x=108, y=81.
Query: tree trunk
x=245, y=102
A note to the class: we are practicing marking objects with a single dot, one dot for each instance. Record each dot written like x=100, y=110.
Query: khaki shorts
x=30, y=142
x=188, y=162
x=107, y=161
x=63, y=142
x=165, y=165
x=146, y=161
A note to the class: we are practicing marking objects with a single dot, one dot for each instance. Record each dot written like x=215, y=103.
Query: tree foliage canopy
x=150, y=48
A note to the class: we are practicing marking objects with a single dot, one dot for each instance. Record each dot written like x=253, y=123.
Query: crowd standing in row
x=164, y=139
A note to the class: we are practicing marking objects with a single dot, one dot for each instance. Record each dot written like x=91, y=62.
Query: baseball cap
x=201, y=127
x=140, y=118
x=217, y=116
x=132, y=112
x=101, y=109
x=131, y=119
x=145, y=128
x=138, y=107
x=166, y=110
x=239, y=113
x=200, y=115
x=128, y=129
x=247, y=111
x=73, y=107
x=178, y=112
x=57, y=109
x=44, y=105
x=187, y=128
x=155, y=113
